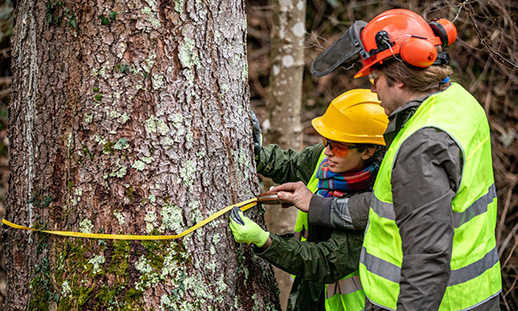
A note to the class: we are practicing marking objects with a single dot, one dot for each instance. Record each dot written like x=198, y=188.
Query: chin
x=335, y=170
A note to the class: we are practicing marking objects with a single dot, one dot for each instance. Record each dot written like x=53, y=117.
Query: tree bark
x=283, y=105
x=131, y=117
x=287, y=68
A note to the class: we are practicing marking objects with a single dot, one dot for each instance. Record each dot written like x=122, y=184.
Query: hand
x=256, y=134
x=245, y=230
x=297, y=193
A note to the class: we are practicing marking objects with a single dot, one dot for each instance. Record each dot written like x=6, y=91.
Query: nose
x=327, y=151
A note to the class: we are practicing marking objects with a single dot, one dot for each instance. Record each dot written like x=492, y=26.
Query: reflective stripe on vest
x=386, y=210
x=346, y=294
x=392, y=272
x=475, y=268
x=344, y=286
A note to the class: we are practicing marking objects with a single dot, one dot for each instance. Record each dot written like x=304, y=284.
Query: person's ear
x=368, y=153
x=399, y=84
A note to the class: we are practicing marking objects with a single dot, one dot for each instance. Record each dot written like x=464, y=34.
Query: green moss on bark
x=100, y=275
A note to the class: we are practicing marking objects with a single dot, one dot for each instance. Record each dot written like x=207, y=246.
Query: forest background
x=484, y=58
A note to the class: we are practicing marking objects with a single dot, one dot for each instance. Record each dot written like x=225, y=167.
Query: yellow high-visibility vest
x=475, y=268
x=346, y=294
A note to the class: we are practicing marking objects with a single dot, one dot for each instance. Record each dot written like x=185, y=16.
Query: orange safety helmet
x=354, y=117
x=391, y=33
x=405, y=33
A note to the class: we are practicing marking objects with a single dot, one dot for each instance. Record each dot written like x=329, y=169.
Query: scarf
x=340, y=184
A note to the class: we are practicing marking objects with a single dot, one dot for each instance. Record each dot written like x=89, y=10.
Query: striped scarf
x=340, y=184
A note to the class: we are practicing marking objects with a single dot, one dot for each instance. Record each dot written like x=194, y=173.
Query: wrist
x=267, y=244
x=263, y=239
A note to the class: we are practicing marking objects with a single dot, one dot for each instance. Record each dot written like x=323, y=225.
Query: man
x=430, y=238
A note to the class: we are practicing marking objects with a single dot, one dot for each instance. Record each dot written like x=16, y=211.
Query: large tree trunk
x=130, y=117
x=284, y=103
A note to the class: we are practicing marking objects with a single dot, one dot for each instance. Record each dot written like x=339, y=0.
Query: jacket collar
x=399, y=117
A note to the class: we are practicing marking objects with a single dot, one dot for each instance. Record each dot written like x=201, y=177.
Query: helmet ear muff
x=445, y=30
x=418, y=52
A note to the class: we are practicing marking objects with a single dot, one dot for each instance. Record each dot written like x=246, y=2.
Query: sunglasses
x=337, y=148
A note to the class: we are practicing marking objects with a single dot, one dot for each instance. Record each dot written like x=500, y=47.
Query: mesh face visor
x=344, y=51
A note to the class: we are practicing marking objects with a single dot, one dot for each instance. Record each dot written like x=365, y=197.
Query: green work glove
x=245, y=230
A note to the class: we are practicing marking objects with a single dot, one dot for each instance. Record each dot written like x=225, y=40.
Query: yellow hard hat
x=353, y=117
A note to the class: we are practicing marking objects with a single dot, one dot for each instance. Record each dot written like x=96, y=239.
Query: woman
x=326, y=264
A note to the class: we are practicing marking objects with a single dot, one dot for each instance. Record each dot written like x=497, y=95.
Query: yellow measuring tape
x=242, y=205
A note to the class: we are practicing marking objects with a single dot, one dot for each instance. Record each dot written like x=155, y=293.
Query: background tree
x=130, y=117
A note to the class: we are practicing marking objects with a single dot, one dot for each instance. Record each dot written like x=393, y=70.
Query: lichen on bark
x=129, y=132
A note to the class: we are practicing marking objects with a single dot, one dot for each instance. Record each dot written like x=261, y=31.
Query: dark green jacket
x=284, y=166
x=327, y=256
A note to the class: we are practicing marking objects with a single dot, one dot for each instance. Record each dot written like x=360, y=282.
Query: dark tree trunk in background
x=130, y=117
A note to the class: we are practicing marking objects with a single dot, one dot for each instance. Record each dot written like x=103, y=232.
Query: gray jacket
x=428, y=170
